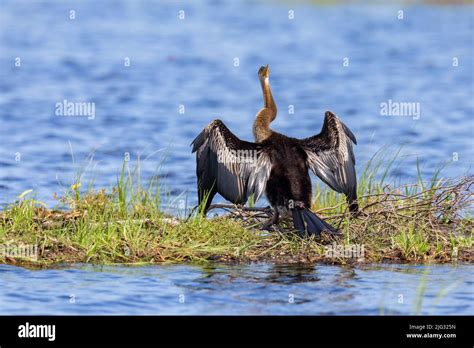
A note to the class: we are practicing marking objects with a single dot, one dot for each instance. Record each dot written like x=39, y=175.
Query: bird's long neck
x=268, y=97
x=261, y=126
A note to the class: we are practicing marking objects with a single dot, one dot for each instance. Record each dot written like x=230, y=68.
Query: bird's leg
x=272, y=221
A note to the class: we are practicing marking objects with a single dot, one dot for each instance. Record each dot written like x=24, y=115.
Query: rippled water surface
x=191, y=63
x=242, y=289
x=185, y=72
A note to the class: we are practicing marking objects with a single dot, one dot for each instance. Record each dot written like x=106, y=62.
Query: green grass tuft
x=427, y=221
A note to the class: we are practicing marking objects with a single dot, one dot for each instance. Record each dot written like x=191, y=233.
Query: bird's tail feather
x=314, y=225
x=298, y=220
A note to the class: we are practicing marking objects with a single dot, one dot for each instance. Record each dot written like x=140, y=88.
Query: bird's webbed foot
x=272, y=221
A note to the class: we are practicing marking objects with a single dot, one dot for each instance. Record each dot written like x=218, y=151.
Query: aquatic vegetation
x=427, y=221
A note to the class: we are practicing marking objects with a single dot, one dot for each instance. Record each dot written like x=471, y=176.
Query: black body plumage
x=276, y=165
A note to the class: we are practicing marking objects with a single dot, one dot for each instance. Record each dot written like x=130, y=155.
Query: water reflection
x=292, y=274
x=237, y=289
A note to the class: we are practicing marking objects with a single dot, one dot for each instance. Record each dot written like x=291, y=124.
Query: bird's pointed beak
x=264, y=71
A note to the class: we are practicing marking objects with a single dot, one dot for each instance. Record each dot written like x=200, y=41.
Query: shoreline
x=426, y=222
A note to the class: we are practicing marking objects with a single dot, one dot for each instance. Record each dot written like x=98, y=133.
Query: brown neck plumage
x=268, y=97
x=261, y=126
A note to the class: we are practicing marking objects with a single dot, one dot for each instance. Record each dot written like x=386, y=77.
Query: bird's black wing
x=331, y=157
x=232, y=167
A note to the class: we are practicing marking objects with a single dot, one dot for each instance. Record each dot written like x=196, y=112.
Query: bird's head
x=264, y=72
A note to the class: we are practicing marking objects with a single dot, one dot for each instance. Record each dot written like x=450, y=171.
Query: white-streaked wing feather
x=331, y=156
x=237, y=168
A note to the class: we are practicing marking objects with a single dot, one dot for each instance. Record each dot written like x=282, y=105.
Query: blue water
x=191, y=63
x=242, y=289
